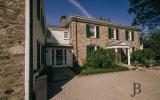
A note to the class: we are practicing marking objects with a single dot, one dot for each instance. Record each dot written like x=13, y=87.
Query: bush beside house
x=100, y=61
x=146, y=57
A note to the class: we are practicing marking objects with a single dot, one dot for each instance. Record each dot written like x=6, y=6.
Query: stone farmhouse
x=77, y=36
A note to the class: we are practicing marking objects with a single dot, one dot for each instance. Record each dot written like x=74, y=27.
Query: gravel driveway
x=111, y=86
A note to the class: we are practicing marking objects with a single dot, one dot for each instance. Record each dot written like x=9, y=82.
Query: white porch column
x=130, y=35
x=116, y=50
x=129, y=57
x=95, y=48
x=114, y=33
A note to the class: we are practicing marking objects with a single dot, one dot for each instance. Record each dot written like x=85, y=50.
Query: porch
x=120, y=46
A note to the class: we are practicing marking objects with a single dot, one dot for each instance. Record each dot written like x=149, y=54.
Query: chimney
x=63, y=21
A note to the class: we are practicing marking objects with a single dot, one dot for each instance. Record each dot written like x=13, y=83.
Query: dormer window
x=66, y=35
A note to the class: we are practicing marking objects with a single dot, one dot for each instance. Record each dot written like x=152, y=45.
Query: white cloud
x=75, y=3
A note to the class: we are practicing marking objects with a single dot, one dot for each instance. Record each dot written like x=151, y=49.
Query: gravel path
x=111, y=86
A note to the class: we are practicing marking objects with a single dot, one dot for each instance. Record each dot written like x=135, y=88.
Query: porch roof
x=58, y=45
x=119, y=44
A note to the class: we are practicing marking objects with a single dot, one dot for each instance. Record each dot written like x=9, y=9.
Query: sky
x=116, y=10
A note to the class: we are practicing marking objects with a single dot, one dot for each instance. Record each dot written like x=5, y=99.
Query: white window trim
x=130, y=35
x=67, y=35
x=114, y=33
x=55, y=59
x=95, y=32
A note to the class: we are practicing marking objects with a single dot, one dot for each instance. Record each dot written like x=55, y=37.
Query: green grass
x=91, y=70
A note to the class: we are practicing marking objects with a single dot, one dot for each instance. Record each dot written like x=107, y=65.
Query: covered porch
x=125, y=45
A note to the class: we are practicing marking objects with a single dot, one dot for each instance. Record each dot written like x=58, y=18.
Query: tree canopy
x=147, y=12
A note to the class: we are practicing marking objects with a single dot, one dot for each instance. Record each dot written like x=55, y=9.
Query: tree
x=152, y=41
x=147, y=12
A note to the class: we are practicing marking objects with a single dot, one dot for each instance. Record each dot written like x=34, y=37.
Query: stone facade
x=12, y=49
x=80, y=40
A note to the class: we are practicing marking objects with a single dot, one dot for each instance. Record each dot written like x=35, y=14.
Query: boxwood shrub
x=102, y=58
x=143, y=55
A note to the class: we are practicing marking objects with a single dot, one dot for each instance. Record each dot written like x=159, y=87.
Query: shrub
x=101, y=58
x=143, y=55
x=157, y=62
x=48, y=70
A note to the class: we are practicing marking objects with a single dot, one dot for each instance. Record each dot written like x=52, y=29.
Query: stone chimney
x=63, y=21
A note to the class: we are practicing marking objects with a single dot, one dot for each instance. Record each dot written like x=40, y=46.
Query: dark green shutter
x=88, y=34
x=109, y=33
x=97, y=31
x=38, y=9
x=126, y=34
x=132, y=35
x=117, y=34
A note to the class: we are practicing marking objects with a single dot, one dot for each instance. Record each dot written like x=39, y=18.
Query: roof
x=119, y=44
x=57, y=45
x=101, y=22
x=57, y=28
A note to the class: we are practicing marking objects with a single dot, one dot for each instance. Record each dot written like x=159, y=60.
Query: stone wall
x=102, y=41
x=12, y=49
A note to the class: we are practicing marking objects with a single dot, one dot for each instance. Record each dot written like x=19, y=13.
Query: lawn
x=92, y=70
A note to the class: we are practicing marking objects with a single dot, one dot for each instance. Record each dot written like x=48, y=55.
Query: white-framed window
x=59, y=57
x=111, y=33
x=92, y=31
x=66, y=35
x=91, y=48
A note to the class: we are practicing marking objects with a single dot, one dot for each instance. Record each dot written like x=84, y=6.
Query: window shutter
x=109, y=33
x=126, y=34
x=88, y=50
x=132, y=35
x=88, y=34
x=52, y=56
x=117, y=34
x=97, y=31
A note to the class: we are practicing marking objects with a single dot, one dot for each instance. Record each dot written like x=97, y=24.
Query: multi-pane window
x=59, y=57
x=110, y=33
x=65, y=35
x=92, y=31
x=91, y=48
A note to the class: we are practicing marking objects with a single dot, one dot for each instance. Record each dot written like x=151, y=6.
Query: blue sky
x=115, y=10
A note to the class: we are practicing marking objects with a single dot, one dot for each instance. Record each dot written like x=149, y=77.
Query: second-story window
x=92, y=31
x=110, y=33
x=66, y=35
